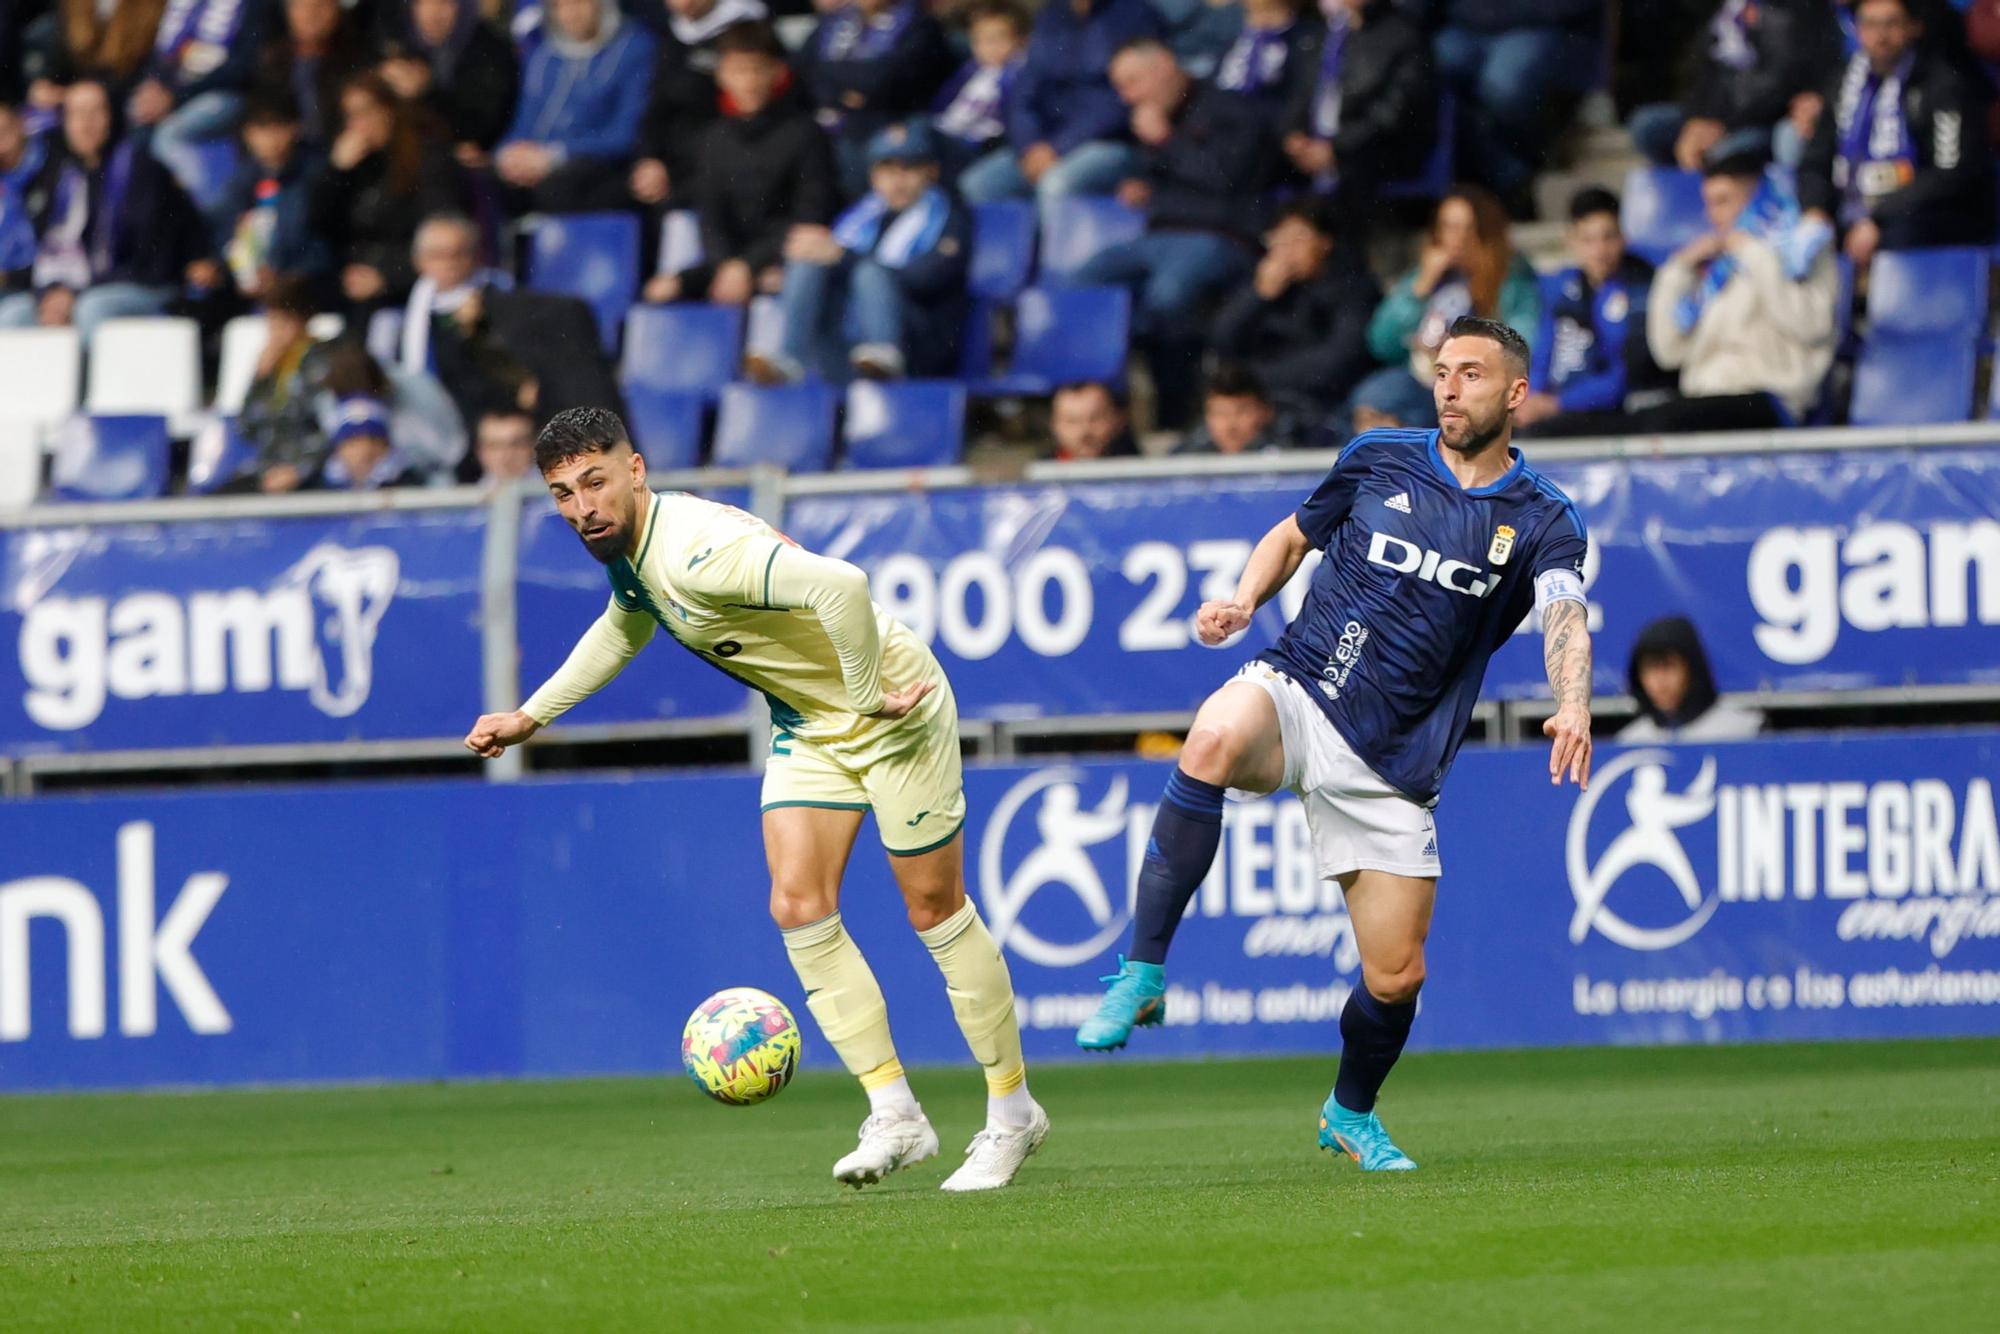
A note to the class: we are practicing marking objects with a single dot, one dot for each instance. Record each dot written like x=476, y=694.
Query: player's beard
x=609, y=545
x=1472, y=435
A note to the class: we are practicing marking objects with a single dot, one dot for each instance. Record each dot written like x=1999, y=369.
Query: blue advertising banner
x=560, y=590
x=1878, y=568
x=1757, y=890
x=239, y=631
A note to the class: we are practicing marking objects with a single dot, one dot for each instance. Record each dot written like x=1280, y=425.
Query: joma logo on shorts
x=1408, y=558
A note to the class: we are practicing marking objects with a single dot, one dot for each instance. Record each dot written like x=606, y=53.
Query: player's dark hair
x=1512, y=346
x=1590, y=201
x=1233, y=381
x=751, y=38
x=575, y=432
x=1005, y=10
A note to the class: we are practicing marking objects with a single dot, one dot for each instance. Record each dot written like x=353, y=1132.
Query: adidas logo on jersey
x=1400, y=502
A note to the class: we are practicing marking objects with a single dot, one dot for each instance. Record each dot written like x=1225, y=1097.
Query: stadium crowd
x=380, y=160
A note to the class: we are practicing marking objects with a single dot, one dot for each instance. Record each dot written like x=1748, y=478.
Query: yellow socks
x=844, y=997
x=982, y=996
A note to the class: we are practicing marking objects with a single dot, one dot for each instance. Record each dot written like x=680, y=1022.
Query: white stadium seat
x=41, y=371
x=145, y=366
x=20, y=464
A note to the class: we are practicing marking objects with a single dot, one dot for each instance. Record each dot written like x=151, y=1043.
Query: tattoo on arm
x=1566, y=653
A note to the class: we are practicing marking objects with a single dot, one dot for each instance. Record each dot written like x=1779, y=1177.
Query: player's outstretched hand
x=1570, y=731
x=1216, y=621
x=896, y=703
x=494, y=732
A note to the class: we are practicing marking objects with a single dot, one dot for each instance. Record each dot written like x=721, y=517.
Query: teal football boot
x=1137, y=999
x=1360, y=1136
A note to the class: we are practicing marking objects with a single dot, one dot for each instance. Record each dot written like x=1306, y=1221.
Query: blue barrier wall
x=1780, y=889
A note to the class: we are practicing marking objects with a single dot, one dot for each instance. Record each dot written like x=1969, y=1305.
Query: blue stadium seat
x=111, y=458
x=1435, y=180
x=1078, y=226
x=1913, y=379
x=1063, y=334
x=218, y=459
x=975, y=341
x=1661, y=210
x=1003, y=248
x=666, y=424
x=1928, y=291
x=591, y=256
x=905, y=423
x=685, y=348
x=790, y=426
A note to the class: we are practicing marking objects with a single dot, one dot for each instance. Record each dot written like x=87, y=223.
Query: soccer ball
x=740, y=1046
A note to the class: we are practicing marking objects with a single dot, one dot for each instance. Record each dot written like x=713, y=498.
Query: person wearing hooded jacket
x=1670, y=678
x=576, y=125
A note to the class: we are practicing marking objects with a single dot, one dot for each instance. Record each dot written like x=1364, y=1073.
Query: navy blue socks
x=1372, y=1034
x=1186, y=832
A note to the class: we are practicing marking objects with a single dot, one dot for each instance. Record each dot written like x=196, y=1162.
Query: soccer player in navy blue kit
x=1438, y=543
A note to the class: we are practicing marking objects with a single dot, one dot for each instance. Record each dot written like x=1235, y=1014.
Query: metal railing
x=771, y=490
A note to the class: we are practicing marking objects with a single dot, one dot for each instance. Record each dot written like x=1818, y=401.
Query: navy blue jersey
x=1422, y=581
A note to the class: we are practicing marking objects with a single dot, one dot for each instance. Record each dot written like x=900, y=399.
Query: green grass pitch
x=1768, y=1188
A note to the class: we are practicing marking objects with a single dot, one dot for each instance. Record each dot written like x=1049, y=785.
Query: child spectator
x=882, y=292
x=972, y=108
x=504, y=446
x=577, y=122
x=1237, y=416
x=765, y=167
x=266, y=210
x=872, y=63
x=683, y=99
x=280, y=416
x=361, y=456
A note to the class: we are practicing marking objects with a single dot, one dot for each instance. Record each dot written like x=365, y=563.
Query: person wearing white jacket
x=1745, y=312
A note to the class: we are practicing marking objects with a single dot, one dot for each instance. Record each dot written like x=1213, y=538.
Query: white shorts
x=1358, y=822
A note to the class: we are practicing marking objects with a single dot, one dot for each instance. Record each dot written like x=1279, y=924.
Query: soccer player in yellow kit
x=862, y=719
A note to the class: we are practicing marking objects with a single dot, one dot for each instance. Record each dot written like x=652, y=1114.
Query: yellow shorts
x=916, y=789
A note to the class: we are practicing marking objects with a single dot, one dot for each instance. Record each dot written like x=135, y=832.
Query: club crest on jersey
x=1503, y=545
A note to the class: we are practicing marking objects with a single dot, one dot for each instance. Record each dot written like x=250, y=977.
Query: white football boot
x=996, y=1154
x=888, y=1142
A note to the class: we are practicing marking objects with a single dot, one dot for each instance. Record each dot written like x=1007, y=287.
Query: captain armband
x=1553, y=586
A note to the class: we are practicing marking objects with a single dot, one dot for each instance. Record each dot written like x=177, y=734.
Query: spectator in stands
x=765, y=167
x=361, y=456
x=80, y=40
x=1066, y=129
x=973, y=107
x=683, y=99
x=1591, y=359
x=490, y=346
x=1757, y=90
x=427, y=428
x=504, y=446
x=21, y=158
x=204, y=59
x=1088, y=421
x=459, y=69
x=872, y=63
x=1364, y=109
x=266, y=211
x=1515, y=68
x=280, y=416
x=117, y=234
x=1744, y=312
x=1468, y=267
x=1670, y=679
x=321, y=47
x=382, y=178
x=1208, y=159
x=1302, y=318
x=1237, y=416
x=881, y=293
x=576, y=125
x=1271, y=58
x=1899, y=156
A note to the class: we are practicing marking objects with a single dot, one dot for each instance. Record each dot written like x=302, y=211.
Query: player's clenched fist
x=494, y=732
x=1216, y=621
